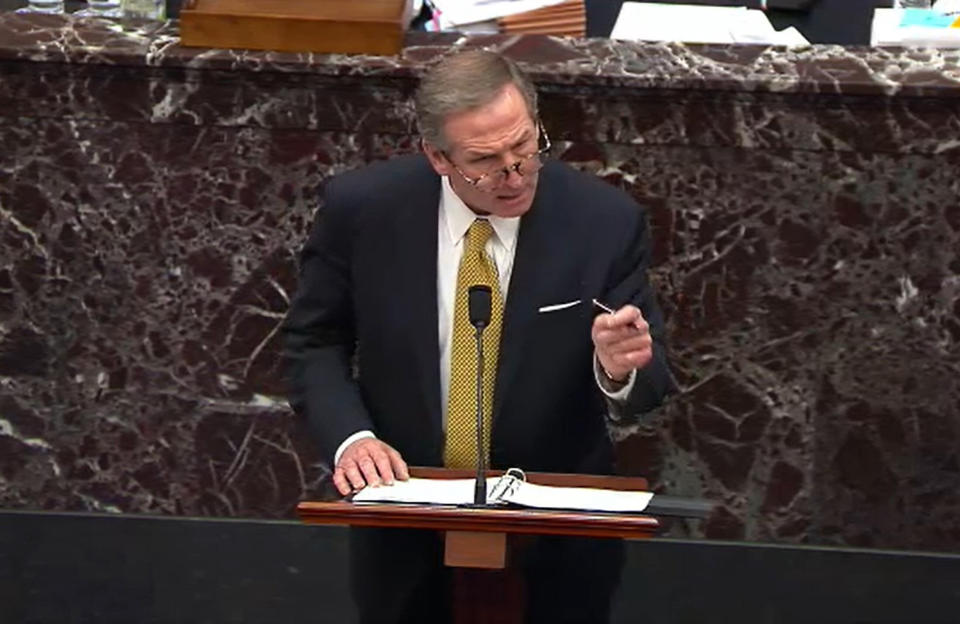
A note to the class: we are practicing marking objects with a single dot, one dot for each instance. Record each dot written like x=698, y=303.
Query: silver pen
x=605, y=308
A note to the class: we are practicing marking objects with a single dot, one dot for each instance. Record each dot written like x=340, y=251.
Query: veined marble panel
x=803, y=203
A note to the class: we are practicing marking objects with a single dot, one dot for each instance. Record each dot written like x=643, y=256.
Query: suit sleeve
x=319, y=330
x=628, y=283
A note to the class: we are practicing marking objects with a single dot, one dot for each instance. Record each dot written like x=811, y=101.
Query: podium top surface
x=493, y=518
x=487, y=519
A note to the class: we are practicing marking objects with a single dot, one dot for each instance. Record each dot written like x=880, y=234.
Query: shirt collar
x=459, y=218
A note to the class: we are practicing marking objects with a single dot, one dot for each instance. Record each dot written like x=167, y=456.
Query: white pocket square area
x=559, y=306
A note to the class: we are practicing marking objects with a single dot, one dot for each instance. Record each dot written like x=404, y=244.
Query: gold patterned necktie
x=476, y=268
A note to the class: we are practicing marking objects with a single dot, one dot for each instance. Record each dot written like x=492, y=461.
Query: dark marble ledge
x=552, y=61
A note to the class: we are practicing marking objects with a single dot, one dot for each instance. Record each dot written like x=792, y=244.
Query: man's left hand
x=622, y=342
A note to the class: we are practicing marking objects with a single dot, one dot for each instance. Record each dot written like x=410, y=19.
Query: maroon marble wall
x=152, y=199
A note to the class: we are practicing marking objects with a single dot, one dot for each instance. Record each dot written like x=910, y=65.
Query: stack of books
x=544, y=17
x=566, y=19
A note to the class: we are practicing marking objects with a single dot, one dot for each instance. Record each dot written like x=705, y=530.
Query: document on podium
x=511, y=488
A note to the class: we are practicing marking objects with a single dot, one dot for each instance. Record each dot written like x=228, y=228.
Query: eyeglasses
x=528, y=165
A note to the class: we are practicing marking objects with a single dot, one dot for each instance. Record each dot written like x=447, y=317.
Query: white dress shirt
x=454, y=220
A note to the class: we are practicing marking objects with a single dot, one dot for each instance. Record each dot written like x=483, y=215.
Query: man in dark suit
x=383, y=284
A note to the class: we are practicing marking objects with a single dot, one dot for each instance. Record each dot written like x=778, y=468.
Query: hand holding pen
x=622, y=340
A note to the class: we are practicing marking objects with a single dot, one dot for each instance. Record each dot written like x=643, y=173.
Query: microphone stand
x=480, y=488
x=479, y=299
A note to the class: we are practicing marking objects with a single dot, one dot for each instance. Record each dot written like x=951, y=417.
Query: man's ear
x=437, y=159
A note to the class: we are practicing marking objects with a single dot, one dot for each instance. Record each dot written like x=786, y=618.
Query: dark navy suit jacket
x=367, y=303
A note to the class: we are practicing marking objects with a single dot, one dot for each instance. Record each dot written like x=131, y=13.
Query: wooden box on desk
x=327, y=26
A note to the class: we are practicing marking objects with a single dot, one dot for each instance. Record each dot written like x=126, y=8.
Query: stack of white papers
x=481, y=15
x=653, y=21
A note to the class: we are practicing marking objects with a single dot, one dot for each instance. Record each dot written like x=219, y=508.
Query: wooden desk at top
x=327, y=26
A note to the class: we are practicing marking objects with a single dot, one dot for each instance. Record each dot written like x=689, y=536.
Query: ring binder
x=514, y=489
x=506, y=486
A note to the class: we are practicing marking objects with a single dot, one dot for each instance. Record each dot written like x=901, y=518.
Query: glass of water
x=42, y=6
x=100, y=8
x=144, y=9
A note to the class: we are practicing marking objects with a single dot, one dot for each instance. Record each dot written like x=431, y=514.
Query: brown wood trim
x=325, y=26
x=475, y=549
x=395, y=12
x=511, y=520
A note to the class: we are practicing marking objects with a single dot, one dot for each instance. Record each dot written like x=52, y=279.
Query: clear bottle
x=145, y=9
x=42, y=6
x=100, y=8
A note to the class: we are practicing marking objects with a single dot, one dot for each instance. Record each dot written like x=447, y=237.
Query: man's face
x=484, y=141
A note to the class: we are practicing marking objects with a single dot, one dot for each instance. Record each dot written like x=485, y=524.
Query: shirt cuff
x=603, y=382
x=365, y=433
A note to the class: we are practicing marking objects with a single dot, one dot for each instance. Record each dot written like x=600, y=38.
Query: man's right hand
x=368, y=461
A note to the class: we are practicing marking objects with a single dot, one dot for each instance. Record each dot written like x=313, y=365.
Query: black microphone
x=479, y=298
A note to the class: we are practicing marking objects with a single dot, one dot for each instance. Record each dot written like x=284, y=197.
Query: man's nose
x=513, y=179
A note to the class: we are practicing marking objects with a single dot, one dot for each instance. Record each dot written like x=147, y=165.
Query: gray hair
x=464, y=82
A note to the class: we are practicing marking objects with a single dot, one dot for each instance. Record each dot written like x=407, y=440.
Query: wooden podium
x=481, y=539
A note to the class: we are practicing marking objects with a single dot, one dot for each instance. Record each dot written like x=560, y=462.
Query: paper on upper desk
x=923, y=18
x=947, y=6
x=883, y=28
x=887, y=29
x=651, y=21
x=579, y=498
x=699, y=24
x=458, y=12
x=933, y=37
x=754, y=27
x=490, y=27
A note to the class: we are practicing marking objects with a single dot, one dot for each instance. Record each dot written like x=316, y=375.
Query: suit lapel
x=537, y=241
x=417, y=231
